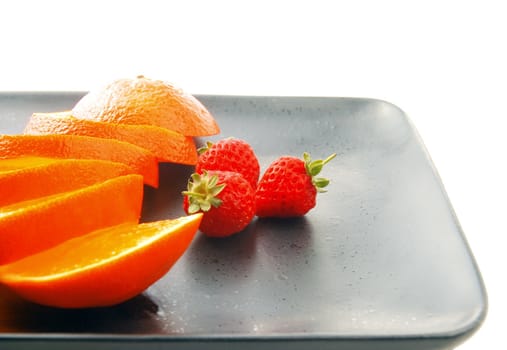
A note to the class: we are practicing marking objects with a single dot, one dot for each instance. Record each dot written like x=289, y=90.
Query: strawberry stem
x=314, y=167
x=204, y=148
x=202, y=191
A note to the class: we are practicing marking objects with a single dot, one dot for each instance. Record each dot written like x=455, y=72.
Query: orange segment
x=82, y=147
x=27, y=178
x=11, y=164
x=145, y=101
x=31, y=226
x=102, y=268
x=166, y=145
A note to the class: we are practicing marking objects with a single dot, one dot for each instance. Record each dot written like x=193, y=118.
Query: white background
x=443, y=62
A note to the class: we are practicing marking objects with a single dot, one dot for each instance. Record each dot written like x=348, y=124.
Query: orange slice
x=10, y=164
x=31, y=226
x=166, y=145
x=27, y=178
x=145, y=101
x=102, y=268
x=82, y=147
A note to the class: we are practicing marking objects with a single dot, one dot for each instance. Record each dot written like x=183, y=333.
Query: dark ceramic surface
x=381, y=263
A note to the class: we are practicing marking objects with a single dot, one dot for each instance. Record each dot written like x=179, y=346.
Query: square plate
x=380, y=263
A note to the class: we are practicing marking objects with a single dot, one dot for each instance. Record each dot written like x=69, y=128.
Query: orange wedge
x=143, y=101
x=27, y=178
x=31, y=226
x=166, y=145
x=102, y=268
x=10, y=164
x=82, y=147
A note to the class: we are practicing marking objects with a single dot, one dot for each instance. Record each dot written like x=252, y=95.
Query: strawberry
x=230, y=154
x=226, y=199
x=289, y=187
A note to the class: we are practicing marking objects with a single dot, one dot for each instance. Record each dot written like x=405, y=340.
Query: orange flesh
x=27, y=178
x=24, y=162
x=166, y=145
x=95, y=250
x=29, y=227
x=81, y=147
x=104, y=267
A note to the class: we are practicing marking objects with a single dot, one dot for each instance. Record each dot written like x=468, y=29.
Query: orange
x=82, y=147
x=7, y=165
x=27, y=178
x=31, y=226
x=166, y=145
x=102, y=268
x=146, y=101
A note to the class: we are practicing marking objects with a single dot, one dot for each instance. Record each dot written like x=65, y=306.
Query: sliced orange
x=150, y=102
x=102, y=268
x=31, y=226
x=27, y=178
x=82, y=147
x=166, y=145
x=10, y=164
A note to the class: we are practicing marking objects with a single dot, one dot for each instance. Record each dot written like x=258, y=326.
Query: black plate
x=380, y=263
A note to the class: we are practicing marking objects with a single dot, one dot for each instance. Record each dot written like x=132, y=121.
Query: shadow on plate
x=135, y=316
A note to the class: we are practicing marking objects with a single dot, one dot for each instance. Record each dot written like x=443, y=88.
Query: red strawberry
x=230, y=154
x=289, y=188
x=226, y=199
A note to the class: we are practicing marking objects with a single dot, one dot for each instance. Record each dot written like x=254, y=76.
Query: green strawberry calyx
x=202, y=191
x=314, y=167
x=209, y=144
x=204, y=148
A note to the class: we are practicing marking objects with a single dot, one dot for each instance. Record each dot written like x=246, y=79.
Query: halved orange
x=27, y=178
x=166, y=145
x=150, y=102
x=102, y=268
x=82, y=147
x=31, y=226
